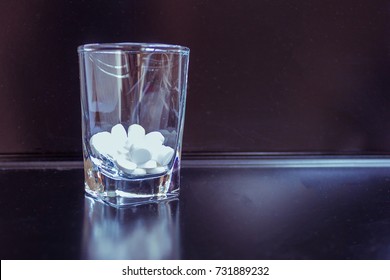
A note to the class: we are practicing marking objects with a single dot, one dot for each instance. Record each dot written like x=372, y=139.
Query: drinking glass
x=133, y=99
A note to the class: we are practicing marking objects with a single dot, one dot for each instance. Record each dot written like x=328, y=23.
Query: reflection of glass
x=148, y=231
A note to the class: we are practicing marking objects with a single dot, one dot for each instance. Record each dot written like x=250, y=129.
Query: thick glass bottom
x=120, y=192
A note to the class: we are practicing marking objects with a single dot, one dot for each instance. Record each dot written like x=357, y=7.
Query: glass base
x=119, y=192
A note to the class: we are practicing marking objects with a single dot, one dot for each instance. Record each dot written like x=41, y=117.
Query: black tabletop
x=224, y=212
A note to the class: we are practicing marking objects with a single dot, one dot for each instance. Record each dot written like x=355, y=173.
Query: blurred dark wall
x=265, y=76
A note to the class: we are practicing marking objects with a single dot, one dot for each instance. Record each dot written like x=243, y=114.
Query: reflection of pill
x=165, y=155
x=126, y=165
x=170, y=137
x=157, y=170
x=138, y=171
x=101, y=143
x=119, y=134
x=150, y=164
x=154, y=137
x=140, y=154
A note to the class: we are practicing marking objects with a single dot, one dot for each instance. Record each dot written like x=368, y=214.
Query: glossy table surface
x=224, y=212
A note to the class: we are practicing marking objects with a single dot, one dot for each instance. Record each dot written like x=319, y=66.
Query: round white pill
x=138, y=171
x=154, y=148
x=135, y=133
x=119, y=134
x=123, y=151
x=155, y=137
x=125, y=165
x=150, y=164
x=157, y=170
x=128, y=144
x=101, y=143
x=165, y=155
x=140, y=154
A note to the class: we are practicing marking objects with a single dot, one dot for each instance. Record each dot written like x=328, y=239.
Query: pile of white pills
x=133, y=152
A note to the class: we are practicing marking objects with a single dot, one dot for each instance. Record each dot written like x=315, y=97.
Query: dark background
x=265, y=76
x=272, y=77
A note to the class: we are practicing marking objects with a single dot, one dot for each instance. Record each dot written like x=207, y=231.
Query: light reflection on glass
x=149, y=231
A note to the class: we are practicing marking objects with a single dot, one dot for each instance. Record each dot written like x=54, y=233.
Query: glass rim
x=132, y=48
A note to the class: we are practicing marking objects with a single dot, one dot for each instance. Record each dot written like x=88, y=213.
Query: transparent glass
x=133, y=105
